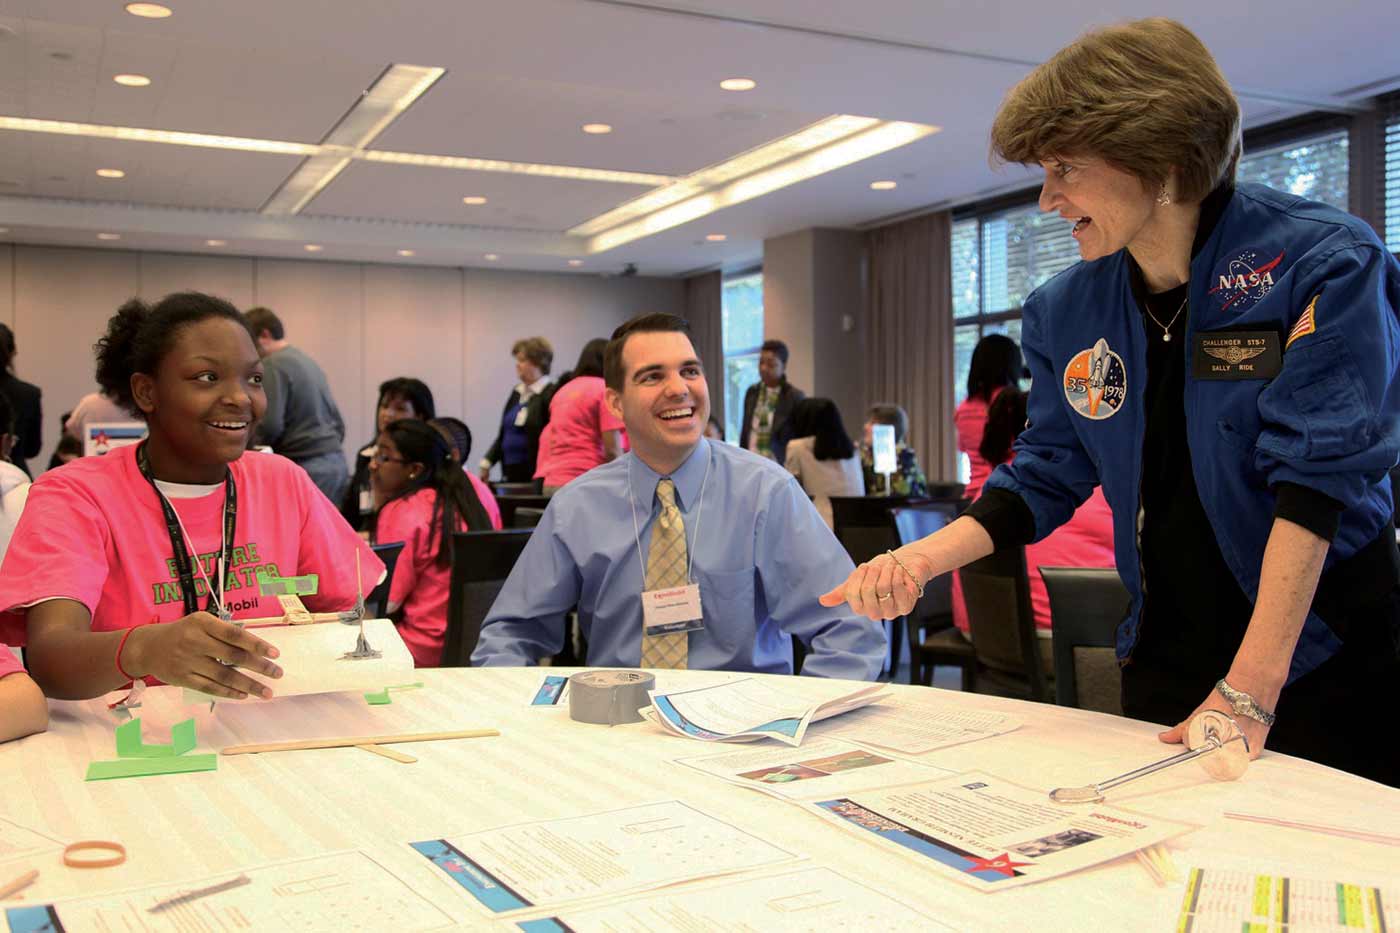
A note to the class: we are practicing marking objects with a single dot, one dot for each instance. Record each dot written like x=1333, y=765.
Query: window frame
x=727, y=354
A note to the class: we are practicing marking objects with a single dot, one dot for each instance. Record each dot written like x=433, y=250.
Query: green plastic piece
x=130, y=745
x=141, y=767
x=381, y=698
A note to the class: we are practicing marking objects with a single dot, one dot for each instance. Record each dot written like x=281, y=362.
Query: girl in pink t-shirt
x=582, y=433
x=421, y=496
x=460, y=437
x=109, y=545
x=23, y=710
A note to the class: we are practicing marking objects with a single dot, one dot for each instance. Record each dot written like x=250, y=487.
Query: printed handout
x=748, y=709
x=915, y=725
x=821, y=768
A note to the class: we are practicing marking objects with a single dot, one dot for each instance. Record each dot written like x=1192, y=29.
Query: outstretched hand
x=877, y=589
x=203, y=653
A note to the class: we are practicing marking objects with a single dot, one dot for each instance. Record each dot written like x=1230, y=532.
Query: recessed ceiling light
x=473, y=199
x=110, y=173
x=596, y=129
x=490, y=257
x=131, y=80
x=313, y=247
x=216, y=242
x=716, y=237
x=883, y=185
x=738, y=84
x=572, y=262
x=149, y=10
x=407, y=252
x=109, y=236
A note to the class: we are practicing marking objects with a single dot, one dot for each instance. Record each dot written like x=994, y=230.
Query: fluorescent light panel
x=873, y=141
x=391, y=94
x=170, y=137
x=465, y=163
x=806, y=139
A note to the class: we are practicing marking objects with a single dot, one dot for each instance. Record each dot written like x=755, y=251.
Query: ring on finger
x=884, y=596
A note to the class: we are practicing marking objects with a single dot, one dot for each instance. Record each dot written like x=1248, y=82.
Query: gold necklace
x=1167, y=330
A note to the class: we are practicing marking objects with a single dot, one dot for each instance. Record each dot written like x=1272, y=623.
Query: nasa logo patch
x=1096, y=382
x=1240, y=282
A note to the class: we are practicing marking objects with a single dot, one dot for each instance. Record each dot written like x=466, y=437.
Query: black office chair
x=508, y=505
x=1086, y=606
x=997, y=594
x=532, y=488
x=377, y=602
x=526, y=517
x=481, y=561
x=862, y=525
x=932, y=639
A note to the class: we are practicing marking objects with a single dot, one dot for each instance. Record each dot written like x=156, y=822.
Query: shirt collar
x=534, y=388
x=688, y=478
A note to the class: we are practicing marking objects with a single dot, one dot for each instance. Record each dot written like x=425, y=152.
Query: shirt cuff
x=1305, y=506
x=1005, y=516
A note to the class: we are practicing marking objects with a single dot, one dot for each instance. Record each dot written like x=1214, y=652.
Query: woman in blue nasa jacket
x=1224, y=364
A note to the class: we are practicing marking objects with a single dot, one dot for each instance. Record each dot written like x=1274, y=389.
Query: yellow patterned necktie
x=666, y=567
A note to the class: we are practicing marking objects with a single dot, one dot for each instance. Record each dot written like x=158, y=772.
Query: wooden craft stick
x=353, y=742
x=1150, y=868
x=19, y=884
x=389, y=753
x=1343, y=831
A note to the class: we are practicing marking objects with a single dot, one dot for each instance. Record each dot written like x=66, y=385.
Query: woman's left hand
x=1255, y=732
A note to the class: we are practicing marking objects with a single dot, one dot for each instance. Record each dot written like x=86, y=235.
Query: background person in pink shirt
x=581, y=433
x=996, y=365
x=422, y=496
x=95, y=558
x=460, y=437
x=23, y=710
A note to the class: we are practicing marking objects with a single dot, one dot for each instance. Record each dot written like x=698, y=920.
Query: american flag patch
x=1306, y=324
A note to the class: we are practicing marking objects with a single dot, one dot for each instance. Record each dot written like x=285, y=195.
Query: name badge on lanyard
x=523, y=414
x=672, y=610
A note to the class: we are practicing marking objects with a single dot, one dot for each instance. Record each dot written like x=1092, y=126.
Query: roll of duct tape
x=609, y=697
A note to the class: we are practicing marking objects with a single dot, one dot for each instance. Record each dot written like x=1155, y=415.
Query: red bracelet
x=120, y=645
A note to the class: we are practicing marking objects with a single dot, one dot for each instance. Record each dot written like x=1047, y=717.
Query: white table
x=258, y=808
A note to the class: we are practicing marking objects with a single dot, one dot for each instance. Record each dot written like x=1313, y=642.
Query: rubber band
x=116, y=858
x=120, y=645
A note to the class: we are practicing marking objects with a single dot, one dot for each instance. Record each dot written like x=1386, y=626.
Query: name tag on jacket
x=1237, y=354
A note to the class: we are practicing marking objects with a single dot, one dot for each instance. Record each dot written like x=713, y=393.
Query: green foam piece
x=130, y=745
x=304, y=585
x=381, y=698
x=141, y=767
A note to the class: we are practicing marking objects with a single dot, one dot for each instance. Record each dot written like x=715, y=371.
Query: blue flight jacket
x=1317, y=278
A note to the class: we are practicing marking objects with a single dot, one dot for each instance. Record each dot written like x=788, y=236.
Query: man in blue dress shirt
x=751, y=540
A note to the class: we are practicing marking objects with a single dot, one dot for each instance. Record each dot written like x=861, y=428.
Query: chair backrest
x=526, y=517
x=919, y=520
x=862, y=524
x=508, y=505
x=378, y=599
x=481, y=561
x=532, y=488
x=1086, y=606
x=997, y=594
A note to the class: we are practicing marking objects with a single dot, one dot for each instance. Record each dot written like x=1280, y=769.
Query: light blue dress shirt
x=762, y=556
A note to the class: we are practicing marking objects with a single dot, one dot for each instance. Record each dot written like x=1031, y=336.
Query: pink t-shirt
x=970, y=420
x=94, y=532
x=421, y=585
x=487, y=497
x=578, y=416
x=9, y=664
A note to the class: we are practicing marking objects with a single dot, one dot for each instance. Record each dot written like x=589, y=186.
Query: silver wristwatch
x=1243, y=704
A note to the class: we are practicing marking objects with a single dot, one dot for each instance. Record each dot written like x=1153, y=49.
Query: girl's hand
x=202, y=653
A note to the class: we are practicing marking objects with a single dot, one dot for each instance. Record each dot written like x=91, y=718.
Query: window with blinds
x=1315, y=167
x=1390, y=200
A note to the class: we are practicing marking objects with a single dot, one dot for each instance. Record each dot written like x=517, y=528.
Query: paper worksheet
x=19, y=842
x=344, y=892
x=312, y=659
x=1233, y=899
x=991, y=834
x=549, y=863
x=748, y=709
x=814, y=900
x=820, y=769
x=915, y=725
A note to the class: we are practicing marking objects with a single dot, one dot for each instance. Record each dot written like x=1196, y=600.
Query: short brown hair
x=1144, y=96
x=614, y=373
x=263, y=319
x=535, y=349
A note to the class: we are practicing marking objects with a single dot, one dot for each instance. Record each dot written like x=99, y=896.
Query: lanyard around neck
x=182, y=548
x=690, y=542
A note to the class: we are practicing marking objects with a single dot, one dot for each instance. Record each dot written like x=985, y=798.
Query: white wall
x=364, y=323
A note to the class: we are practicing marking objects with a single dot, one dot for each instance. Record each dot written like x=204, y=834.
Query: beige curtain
x=909, y=341
x=702, y=309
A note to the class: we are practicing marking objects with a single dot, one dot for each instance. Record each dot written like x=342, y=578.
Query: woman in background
x=517, y=444
x=908, y=478
x=821, y=455
x=404, y=397
x=996, y=365
x=24, y=400
x=582, y=433
x=421, y=497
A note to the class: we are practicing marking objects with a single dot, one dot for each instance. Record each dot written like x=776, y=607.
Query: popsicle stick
x=1150, y=868
x=19, y=884
x=389, y=753
x=361, y=740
